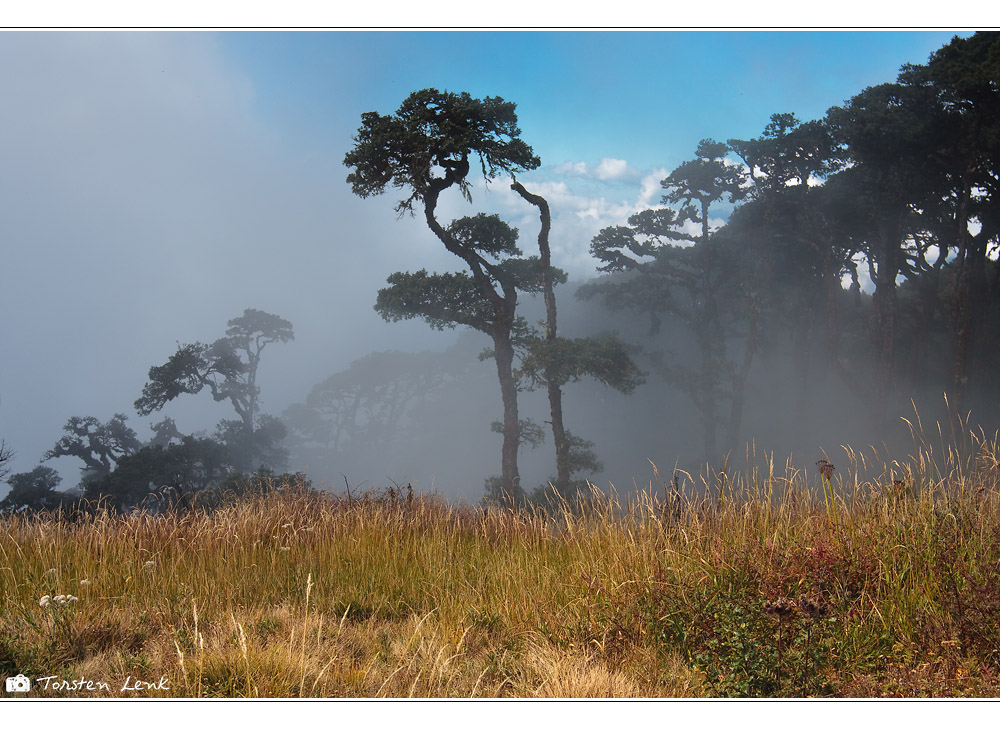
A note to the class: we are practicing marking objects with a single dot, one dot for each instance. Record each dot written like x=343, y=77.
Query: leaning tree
x=427, y=147
x=551, y=362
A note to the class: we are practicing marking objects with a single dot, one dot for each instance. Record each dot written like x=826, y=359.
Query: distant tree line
x=898, y=186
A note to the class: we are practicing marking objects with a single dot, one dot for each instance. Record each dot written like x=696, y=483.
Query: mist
x=152, y=191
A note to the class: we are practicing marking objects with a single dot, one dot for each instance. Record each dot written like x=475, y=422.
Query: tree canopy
x=427, y=145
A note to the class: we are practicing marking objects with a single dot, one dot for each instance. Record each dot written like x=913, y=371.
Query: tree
x=960, y=84
x=424, y=149
x=553, y=361
x=228, y=368
x=255, y=449
x=795, y=217
x=99, y=445
x=431, y=131
x=165, y=433
x=487, y=304
x=884, y=133
x=6, y=456
x=184, y=469
x=34, y=490
x=366, y=409
x=696, y=186
x=676, y=268
x=248, y=335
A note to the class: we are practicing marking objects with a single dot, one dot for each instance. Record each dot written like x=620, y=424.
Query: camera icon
x=20, y=683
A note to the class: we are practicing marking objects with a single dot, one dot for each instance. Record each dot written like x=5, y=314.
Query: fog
x=150, y=195
x=145, y=206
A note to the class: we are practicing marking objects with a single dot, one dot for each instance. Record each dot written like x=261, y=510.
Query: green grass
x=758, y=594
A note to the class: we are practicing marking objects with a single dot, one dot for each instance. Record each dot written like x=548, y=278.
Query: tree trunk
x=740, y=378
x=503, y=307
x=970, y=288
x=504, y=355
x=563, y=474
x=885, y=255
x=710, y=340
x=854, y=381
x=559, y=436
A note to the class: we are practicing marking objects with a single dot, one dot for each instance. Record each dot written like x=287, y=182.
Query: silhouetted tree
x=34, y=490
x=99, y=445
x=553, y=361
x=447, y=300
x=424, y=149
x=165, y=433
x=228, y=368
x=883, y=134
x=183, y=470
x=260, y=448
x=958, y=87
x=6, y=456
x=364, y=410
x=791, y=219
x=676, y=266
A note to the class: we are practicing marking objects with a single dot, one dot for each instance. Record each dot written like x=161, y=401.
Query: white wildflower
x=44, y=601
x=85, y=582
x=284, y=549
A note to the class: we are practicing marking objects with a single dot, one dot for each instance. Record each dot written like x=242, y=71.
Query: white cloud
x=583, y=200
x=573, y=168
x=607, y=169
x=611, y=169
x=650, y=189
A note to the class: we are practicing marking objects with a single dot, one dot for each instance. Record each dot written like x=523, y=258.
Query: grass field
x=762, y=586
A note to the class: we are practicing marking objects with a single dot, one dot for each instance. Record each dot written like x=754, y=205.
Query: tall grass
x=723, y=584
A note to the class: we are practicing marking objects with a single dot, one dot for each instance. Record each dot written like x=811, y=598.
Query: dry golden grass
x=297, y=594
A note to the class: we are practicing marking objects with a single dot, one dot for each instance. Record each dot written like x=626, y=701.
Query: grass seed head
x=825, y=468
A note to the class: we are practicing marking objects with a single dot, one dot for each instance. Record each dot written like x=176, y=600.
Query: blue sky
x=158, y=183
x=647, y=97
x=608, y=112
